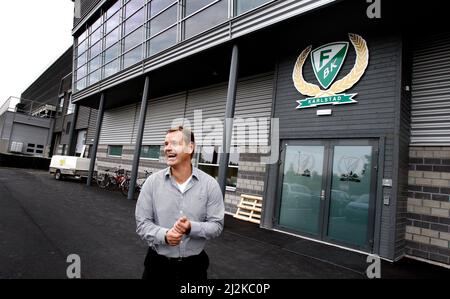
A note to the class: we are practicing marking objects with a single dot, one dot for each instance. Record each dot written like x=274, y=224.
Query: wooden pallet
x=249, y=209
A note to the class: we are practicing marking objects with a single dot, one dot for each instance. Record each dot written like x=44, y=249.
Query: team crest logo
x=327, y=62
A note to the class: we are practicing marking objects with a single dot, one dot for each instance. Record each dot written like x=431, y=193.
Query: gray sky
x=33, y=36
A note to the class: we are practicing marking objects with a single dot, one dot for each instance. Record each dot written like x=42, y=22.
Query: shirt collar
x=195, y=173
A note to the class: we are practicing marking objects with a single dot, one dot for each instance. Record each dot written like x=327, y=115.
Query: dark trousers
x=158, y=267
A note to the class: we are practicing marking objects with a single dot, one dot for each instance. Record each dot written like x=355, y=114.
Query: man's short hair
x=188, y=135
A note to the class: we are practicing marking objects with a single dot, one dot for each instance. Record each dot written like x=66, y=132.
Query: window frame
x=235, y=6
x=70, y=107
x=117, y=146
x=184, y=18
x=60, y=109
x=217, y=149
x=118, y=12
x=151, y=159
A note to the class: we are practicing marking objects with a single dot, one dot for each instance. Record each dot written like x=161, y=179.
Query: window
x=134, y=22
x=96, y=49
x=206, y=19
x=112, y=68
x=81, y=72
x=95, y=63
x=82, y=46
x=35, y=148
x=156, y=6
x=208, y=161
x=113, y=22
x=162, y=41
x=112, y=37
x=163, y=20
x=68, y=127
x=82, y=37
x=151, y=152
x=132, y=6
x=39, y=149
x=95, y=77
x=112, y=53
x=81, y=84
x=161, y=29
x=82, y=59
x=96, y=24
x=243, y=6
x=71, y=108
x=115, y=150
x=194, y=5
x=61, y=105
x=133, y=39
x=130, y=30
x=95, y=36
x=132, y=57
x=113, y=9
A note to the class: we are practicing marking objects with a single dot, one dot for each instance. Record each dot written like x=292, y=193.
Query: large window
x=212, y=13
x=151, y=152
x=162, y=26
x=208, y=161
x=71, y=107
x=242, y=6
x=131, y=30
x=115, y=150
x=60, y=106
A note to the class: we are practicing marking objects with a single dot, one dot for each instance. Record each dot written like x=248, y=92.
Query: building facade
x=25, y=131
x=340, y=119
x=53, y=89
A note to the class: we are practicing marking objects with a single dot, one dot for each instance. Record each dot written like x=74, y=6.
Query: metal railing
x=28, y=107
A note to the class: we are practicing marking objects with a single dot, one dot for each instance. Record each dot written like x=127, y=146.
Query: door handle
x=322, y=195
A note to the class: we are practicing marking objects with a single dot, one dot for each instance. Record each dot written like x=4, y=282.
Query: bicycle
x=125, y=185
x=105, y=180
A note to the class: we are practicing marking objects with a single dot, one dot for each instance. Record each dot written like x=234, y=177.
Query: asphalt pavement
x=43, y=221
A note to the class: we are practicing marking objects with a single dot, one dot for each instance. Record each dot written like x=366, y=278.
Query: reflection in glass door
x=327, y=190
x=302, y=188
x=350, y=194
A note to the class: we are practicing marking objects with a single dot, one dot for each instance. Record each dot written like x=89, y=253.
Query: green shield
x=327, y=61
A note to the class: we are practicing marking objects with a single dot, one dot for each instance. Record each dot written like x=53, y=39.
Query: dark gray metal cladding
x=376, y=115
x=431, y=91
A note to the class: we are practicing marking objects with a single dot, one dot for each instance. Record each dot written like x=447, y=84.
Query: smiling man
x=179, y=208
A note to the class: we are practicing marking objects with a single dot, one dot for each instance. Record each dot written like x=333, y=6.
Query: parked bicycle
x=107, y=181
x=125, y=185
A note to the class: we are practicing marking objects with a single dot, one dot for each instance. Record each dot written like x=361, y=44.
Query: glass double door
x=327, y=190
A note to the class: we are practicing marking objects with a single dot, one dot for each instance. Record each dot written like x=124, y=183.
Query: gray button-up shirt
x=161, y=204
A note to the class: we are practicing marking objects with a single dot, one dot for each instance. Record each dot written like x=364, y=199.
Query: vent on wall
x=16, y=147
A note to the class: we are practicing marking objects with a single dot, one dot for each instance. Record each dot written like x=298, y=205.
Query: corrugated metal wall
x=254, y=100
x=29, y=134
x=118, y=125
x=83, y=118
x=93, y=114
x=161, y=113
x=211, y=102
x=431, y=92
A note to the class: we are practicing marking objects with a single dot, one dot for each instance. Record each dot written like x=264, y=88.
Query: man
x=179, y=208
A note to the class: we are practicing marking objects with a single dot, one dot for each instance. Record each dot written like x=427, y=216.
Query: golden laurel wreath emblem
x=312, y=90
